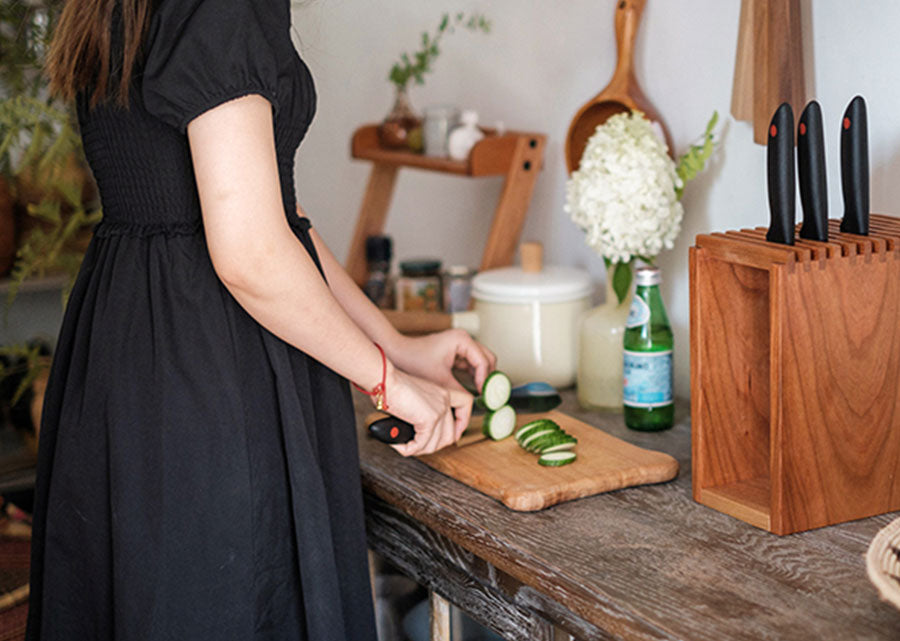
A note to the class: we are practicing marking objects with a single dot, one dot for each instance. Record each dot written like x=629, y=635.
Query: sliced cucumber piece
x=495, y=391
x=555, y=459
x=527, y=429
x=539, y=444
x=500, y=423
x=539, y=433
x=559, y=447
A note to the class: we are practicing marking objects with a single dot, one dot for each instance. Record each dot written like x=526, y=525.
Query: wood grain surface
x=795, y=374
x=641, y=563
x=505, y=471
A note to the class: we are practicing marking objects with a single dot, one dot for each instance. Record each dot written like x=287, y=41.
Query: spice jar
x=457, y=286
x=419, y=286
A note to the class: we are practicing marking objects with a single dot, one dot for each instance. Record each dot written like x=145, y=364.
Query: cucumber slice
x=527, y=429
x=538, y=444
x=544, y=431
x=555, y=459
x=495, y=391
x=500, y=423
x=559, y=447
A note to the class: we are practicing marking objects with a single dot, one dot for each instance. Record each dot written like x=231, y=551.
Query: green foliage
x=693, y=161
x=415, y=65
x=621, y=277
x=41, y=139
x=27, y=361
x=26, y=27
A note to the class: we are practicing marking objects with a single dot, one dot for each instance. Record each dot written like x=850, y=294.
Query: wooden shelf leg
x=372, y=215
x=509, y=216
x=440, y=617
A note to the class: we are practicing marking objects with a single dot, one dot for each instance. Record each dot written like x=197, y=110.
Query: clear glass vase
x=394, y=131
x=600, y=344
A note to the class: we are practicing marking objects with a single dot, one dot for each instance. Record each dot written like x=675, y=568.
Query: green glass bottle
x=648, y=400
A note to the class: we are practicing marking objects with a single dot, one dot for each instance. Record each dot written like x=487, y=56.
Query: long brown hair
x=81, y=50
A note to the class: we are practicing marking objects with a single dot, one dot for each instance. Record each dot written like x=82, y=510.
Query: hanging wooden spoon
x=621, y=94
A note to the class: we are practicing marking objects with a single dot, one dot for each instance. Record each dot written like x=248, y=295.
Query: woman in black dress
x=198, y=475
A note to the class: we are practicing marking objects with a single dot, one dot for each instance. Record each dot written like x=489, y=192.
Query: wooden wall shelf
x=516, y=155
x=795, y=376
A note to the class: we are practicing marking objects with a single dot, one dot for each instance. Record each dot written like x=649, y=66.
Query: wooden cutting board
x=506, y=472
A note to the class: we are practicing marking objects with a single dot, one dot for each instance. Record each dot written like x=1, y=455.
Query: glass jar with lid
x=419, y=285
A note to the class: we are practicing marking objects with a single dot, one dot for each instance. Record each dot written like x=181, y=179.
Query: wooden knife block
x=795, y=376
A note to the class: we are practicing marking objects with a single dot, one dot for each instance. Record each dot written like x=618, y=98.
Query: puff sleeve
x=202, y=53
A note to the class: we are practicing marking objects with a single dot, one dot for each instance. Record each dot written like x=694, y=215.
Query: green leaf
x=622, y=280
x=693, y=161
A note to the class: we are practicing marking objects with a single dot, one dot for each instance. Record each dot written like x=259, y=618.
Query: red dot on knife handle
x=846, y=123
x=802, y=128
x=395, y=431
x=773, y=131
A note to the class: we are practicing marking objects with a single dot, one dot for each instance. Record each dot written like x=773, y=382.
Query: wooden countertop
x=649, y=562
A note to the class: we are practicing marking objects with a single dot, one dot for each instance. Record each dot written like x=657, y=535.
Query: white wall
x=541, y=62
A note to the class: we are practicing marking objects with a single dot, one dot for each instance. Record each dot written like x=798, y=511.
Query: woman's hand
x=434, y=356
x=439, y=414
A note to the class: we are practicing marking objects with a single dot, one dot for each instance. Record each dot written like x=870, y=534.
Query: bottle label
x=648, y=378
x=638, y=314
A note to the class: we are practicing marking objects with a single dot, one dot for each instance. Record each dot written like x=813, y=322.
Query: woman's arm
x=432, y=357
x=270, y=274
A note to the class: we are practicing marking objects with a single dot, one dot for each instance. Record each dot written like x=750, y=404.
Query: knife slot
x=721, y=247
x=757, y=237
x=820, y=251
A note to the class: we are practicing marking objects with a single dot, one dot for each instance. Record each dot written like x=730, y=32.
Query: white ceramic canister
x=529, y=319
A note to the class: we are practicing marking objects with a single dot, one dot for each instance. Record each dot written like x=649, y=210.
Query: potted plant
x=394, y=131
x=45, y=187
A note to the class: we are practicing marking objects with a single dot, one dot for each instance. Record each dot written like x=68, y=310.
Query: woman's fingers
x=444, y=428
x=480, y=359
x=461, y=402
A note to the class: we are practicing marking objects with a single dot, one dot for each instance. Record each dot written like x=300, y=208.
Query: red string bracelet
x=378, y=391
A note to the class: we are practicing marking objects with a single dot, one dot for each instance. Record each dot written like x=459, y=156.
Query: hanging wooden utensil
x=621, y=94
x=742, y=88
x=771, y=35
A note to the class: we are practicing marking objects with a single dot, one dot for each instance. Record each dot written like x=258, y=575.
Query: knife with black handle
x=855, y=168
x=780, y=167
x=532, y=398
x=391, y=429
x=811, y=173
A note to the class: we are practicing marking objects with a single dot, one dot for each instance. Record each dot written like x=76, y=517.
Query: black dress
x=198, y=478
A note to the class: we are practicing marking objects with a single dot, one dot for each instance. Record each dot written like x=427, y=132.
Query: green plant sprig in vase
x=395, y=131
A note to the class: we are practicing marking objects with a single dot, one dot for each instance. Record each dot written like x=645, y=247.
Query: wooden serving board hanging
x=769, y=66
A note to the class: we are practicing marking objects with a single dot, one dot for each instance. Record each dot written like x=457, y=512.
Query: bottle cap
x=420, y=267
x=378, y=249
x=469, y=117
x=645, y=276
x=460, y=271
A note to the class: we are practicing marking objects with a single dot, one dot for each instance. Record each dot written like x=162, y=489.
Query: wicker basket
x=883, y=562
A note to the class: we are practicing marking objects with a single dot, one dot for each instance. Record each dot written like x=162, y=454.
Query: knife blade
x=780, y=169
x=811, y=173
x=855, y=168
x=529, y=398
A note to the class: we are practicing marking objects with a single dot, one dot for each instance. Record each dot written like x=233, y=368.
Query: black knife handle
x=780, y=166
x=811, y=173
x=391, y=429
x=855, y=168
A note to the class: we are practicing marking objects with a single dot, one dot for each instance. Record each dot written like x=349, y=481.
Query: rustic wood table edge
x=645, y=563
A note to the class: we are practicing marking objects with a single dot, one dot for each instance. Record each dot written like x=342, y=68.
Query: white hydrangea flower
x=623, y=194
